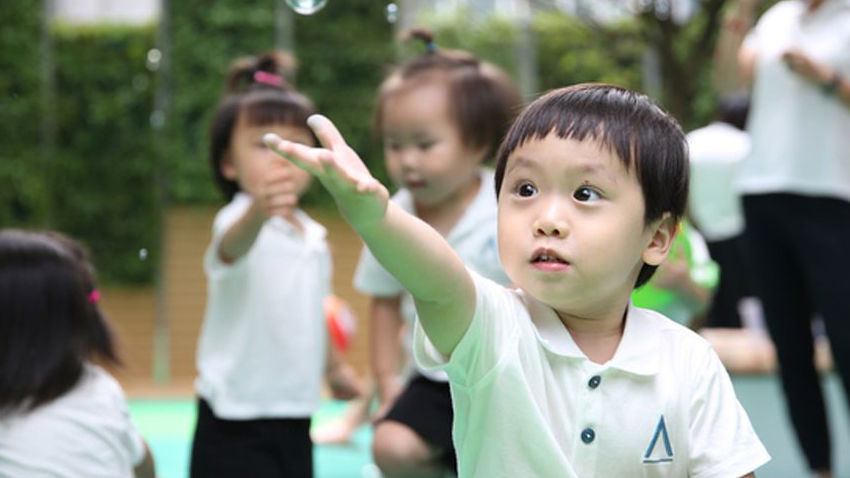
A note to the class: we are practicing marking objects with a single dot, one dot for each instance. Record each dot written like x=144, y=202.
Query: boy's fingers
x=302, y=155
x=326, y=131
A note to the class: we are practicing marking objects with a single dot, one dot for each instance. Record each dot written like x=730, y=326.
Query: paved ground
x=168, y=423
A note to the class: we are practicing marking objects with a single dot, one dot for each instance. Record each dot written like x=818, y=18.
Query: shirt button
x=587, y=435
x=594, y=381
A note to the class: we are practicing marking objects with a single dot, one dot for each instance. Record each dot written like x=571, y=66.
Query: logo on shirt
x=659, y=450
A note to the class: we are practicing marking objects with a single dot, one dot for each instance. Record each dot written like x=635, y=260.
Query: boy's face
x=249, y=161
x=571, y=226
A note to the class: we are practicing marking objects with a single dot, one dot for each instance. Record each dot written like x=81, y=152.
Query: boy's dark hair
x=258, y=87
x=734, y=109
x=50, y=324
x=642, y=135
x=482, y=98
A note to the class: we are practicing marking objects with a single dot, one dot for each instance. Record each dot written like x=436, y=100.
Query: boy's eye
x=425, y=145
x=586, y=194
x=526, y=190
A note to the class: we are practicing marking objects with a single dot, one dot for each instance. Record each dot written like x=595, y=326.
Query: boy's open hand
x=361, y=198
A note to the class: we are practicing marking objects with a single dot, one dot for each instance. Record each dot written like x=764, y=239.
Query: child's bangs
x=273, y=107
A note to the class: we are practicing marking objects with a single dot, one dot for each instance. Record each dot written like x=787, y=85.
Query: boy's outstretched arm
x=412, y=251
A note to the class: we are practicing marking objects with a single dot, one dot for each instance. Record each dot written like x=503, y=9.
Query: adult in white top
x=86, y=433
x=663, y=404
x=473, y=238
x=262, y=349
x=796, y=187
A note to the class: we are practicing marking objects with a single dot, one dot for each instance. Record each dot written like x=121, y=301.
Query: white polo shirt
x=528, y=402
x=716, y=153
x=799, y=133
x=262, y=349
x=473, y=238
x=86, y=433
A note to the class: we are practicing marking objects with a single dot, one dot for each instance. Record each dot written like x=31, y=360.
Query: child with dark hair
x=441, y=116
x=60, y=413
x=560, y=376
x=263, y=348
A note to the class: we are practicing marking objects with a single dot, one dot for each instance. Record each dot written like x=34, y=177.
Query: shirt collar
x=637, y=353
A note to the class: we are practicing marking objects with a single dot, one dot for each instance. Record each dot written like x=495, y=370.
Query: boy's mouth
x=547, y=256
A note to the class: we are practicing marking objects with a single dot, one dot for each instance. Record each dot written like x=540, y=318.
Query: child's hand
x=343, y=382
x=361, y=198
x=277, y=195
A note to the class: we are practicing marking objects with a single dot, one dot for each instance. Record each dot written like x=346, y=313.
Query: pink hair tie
x=94, y=296
x=267, y=78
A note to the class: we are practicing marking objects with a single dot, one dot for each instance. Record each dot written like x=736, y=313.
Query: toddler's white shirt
x=528, y=402
x=86, y=433
x=263, y=344
x=716, y=153
x=473, y=238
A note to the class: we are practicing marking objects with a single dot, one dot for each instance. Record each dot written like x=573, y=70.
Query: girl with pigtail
x=441, y=116
x=263, y=349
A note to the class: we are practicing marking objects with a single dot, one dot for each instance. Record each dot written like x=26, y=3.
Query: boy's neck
x=597, y=337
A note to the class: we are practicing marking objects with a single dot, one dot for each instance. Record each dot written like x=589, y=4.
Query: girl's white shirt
x=86, y=433
x=263, y=344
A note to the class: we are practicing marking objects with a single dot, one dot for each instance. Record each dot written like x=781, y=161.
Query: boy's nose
x=551, y=222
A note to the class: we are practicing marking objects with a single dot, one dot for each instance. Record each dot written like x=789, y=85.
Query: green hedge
x=102, y=170
x=568, y=50
x=97, y=180
x=341, y=51
x=22, y=188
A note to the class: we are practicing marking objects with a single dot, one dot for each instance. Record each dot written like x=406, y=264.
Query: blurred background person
x=796, y=189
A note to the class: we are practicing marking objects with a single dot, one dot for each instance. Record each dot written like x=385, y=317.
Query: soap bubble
x=392, y=13
x=306, y=7
x=143, y=253
x=153, y=59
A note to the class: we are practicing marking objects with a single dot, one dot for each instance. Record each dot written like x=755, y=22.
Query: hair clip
x=431, y=47
x=267, y=78
x=94, y=296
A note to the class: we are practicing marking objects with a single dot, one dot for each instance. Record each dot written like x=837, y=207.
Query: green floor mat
x=168, y=425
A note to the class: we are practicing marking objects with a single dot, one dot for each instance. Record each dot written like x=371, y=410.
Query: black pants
x=735, y=278
x=800, y=247
x=262, y=448
x=425, y=406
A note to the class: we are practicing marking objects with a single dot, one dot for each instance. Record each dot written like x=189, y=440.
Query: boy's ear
x=663, y=233
x=227, y=167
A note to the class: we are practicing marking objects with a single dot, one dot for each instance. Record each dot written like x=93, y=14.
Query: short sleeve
x=723, y=441
x=371, y=278
x=492, y=333
x=132, y=439
x=129, y=437
x=226, y=217
x=703, y=270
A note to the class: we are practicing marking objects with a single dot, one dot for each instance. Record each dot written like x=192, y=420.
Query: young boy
x=562, y=376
